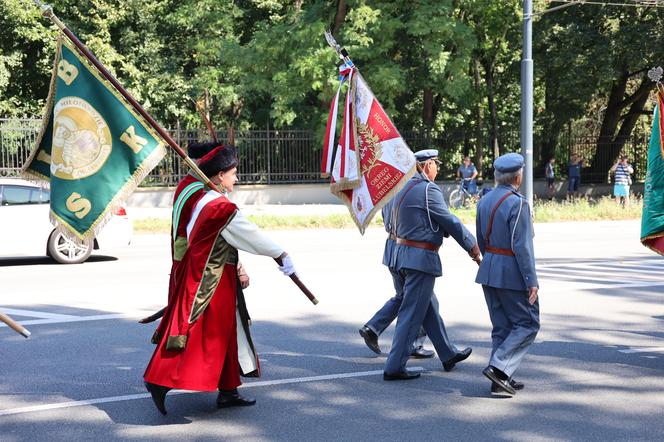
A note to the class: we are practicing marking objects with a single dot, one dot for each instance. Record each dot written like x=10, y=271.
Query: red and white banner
x=372, y=161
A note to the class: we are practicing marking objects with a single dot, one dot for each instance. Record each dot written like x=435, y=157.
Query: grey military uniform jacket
x=420, y=214
x=389, y=242
x=512, y=230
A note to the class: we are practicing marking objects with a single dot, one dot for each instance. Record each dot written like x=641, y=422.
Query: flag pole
x=18, y=328
x=343, y=55
x=47, y=11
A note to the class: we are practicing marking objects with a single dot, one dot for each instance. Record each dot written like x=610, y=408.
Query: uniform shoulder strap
x=493, y=213
x=395, y=209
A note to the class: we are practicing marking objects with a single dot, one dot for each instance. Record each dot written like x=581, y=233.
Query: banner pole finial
x=341, y=52
x=655, y=74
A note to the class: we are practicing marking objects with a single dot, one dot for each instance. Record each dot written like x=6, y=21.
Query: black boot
x=158, y=393
x=231, y=398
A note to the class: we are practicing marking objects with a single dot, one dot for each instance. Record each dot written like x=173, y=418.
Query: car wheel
x=66, y=251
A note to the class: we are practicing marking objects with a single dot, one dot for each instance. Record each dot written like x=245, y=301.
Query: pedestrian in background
x=550, y=175
x=574, y=176
x=622, y=171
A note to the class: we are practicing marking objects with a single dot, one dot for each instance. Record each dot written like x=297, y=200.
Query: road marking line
x=602, y=269
x=35, y=314
x=130, y=397
x=642, y=350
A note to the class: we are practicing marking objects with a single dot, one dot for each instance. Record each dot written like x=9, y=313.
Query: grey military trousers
x=515, y=325
x=388, y=313
x=419, y=307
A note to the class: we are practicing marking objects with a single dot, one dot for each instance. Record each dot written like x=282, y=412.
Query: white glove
x=287, y=268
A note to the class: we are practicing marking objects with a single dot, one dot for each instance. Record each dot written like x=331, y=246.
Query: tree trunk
x=339, y=17
x=479, y=126
x=610, y=143
x=552, y=127
x=493, y=114
x=427, y=108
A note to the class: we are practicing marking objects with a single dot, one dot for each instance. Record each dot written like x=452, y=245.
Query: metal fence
x=293, y=156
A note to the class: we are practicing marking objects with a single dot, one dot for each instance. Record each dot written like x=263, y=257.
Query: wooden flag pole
x=18, y=328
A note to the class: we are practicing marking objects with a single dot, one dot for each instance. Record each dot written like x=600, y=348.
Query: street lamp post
x=527, y=99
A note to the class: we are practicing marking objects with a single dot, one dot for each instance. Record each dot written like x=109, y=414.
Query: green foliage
x=433, y=64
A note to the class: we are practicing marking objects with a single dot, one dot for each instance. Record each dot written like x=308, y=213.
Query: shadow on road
x=45, y=260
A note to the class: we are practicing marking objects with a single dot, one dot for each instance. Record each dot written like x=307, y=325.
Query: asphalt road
x=595, y=372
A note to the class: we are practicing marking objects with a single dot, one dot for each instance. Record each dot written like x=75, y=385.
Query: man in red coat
x=203, y=344
x=187, y=193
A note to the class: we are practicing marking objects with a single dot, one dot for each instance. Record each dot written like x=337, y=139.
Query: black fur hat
x=199, y=150
x=221, y=158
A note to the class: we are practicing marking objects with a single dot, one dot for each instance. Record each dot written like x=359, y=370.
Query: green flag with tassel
x=652, y=219
x=93, y=146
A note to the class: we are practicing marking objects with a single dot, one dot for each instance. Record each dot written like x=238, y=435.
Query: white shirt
x=240, y=233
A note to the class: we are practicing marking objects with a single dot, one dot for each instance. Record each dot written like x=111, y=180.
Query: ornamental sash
x=371, y=162
x=93, y=147
x=652, y=218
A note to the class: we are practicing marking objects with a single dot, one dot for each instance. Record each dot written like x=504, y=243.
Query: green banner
x=652, y=219
x=93, y=147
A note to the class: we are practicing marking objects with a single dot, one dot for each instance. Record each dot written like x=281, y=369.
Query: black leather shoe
x=403, y=376
x=422, y=353
x=503, y=384
x=370, y=338
x=233, y=399
x=158, y=393
x=461, y=356
x=495, y=389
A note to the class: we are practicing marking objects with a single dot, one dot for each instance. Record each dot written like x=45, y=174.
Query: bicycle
x=461, y=197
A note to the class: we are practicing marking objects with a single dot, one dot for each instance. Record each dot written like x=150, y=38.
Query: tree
x=598, y=51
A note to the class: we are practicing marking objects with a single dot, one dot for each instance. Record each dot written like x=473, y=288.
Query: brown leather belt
x=393, y=237
x=418, y=244
x=497, y=251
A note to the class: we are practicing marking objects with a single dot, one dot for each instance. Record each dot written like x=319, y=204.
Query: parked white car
x=25, y=229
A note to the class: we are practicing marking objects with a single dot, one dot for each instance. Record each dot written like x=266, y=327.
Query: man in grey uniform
x=507, y=273
x=421, y=219
x=388, y=312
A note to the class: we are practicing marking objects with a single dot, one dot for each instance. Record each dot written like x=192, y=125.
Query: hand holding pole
x=299, y=283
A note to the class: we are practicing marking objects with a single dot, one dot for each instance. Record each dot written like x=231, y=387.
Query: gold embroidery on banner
x=135, y=142
x=156, y=337
x=221, y=254
x=370, y=147
x=78, y=205
x=178, y=342
x=81, y=139
x=67, y=71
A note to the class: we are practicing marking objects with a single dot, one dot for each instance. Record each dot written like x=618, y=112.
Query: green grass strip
x=605, y=209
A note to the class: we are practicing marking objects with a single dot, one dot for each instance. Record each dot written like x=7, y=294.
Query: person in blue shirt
x=468, y=172
x=574, y=175
x=421, y=220
x=507, y=273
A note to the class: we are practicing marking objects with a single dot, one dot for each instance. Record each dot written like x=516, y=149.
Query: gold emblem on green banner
x=81, y=139
x=93, y=147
